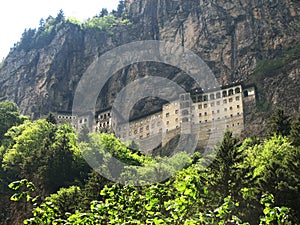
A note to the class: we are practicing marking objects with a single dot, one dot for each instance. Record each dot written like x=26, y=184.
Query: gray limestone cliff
x=250, y=41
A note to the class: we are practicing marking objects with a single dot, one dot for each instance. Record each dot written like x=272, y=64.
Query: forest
x=46, y=180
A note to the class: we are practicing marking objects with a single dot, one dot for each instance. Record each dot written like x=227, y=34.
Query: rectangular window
x=230, y=99
x=205, y=105
x=167, y=114
x=225, y=101
x=237, y=98
x=200, y=106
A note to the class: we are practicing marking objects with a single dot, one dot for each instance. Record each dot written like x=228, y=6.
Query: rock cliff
x=254, y=41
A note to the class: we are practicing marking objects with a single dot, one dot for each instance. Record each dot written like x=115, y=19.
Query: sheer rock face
x=230, y=36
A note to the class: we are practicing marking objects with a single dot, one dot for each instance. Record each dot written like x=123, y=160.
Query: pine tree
x=295, y=132
x=279, y=123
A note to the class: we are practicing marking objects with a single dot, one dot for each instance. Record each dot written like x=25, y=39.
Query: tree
x=295, y=132
x=45, y=154
x=273, y=167
x=103, y=12
x=227, y=156
x=51, y=118
x=279, y=123
x=9, y=117
x=120, y=9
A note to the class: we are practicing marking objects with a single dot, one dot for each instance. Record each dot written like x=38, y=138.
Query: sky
x=16, y=15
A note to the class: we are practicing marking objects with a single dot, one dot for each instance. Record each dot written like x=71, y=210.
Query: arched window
x=212, y=96
x=205, y=98
x=246, y=93
x=218, y=95
x=237, y=90
x=224, y=94
x=185, y=112
x=230, y=92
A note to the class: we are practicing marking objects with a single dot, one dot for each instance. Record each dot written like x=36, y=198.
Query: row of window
x=66, y=117
x=104, y=116
x=213, y=96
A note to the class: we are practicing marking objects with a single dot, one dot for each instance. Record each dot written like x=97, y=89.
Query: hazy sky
x=16, y=15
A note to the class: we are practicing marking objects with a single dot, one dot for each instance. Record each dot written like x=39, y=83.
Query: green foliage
x=226, y=192
x=105, y=23
x=295, y=132
x=270, y=67
x=9, y=117
x=273, y=215
x=279, y=123
x=19, y=186
x=43, y=153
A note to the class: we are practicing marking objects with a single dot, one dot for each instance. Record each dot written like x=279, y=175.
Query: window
x=224, y=94
x=199, y=106
x=231, y=115
x=205, y=98
x=237, y=98
x=205, y=114
x=185, y=112
x=200, y=114
x=218, y=95
x=218, y=102
x=225, y=109
x=237, y=90
x=176, y=111
x=225, y=101
x=147, y=127
x=230, y=99
x=141, y=129
x=238, y=106
x=135, y=131
x=230, y=92
x=205, y=105
x=168, y=122
x=184, y=120
x=212, y=104
x=176, y=120
x=212, y=96
x=230, y=108
x=218, y=111
x=213, y=112
x=167, y=114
